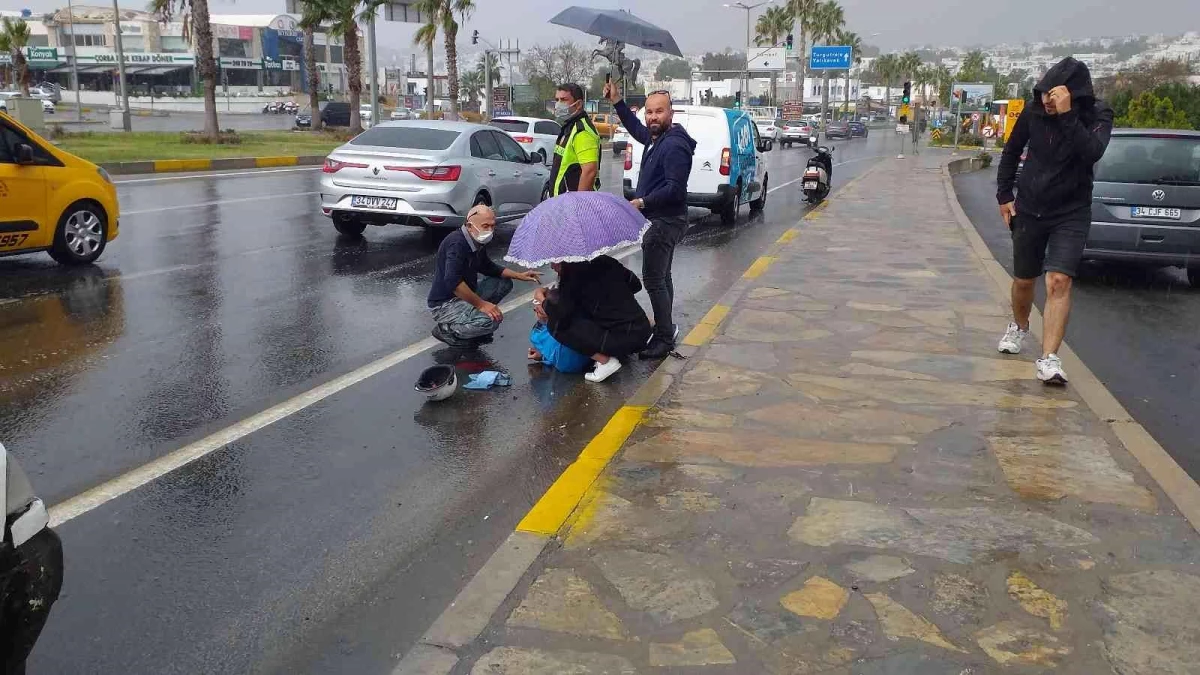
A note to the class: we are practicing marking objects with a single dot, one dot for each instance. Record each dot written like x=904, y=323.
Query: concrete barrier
x=219, y=164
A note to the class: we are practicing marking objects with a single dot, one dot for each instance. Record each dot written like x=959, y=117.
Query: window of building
x=39, y=41
x=133, y=43
x=232, y=48
x=337, y=54
x=90, y=41
x=173, y=44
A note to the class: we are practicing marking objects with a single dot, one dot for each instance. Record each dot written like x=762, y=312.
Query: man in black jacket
x=661, y=195
x=1067, y=131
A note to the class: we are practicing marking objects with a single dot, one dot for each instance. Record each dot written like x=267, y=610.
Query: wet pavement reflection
x=329, y=540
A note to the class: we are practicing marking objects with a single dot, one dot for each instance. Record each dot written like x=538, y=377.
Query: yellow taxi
x=606, y=124
x=51, y=200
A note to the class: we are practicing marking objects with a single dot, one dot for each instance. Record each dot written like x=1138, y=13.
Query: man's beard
x=658, y=128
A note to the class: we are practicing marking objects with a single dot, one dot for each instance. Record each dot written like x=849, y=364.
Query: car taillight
x=628, y=157
x=333, y=166
x=725, y=157
x=447, y=174
x=523, y=139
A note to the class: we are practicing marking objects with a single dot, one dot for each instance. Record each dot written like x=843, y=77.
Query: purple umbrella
x=576, y=227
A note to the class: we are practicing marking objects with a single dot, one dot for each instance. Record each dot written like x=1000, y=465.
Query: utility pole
x=372, y=62
x=74, y=63
x=125, y=123
x=746, y=71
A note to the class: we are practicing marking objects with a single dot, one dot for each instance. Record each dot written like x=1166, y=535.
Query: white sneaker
x=1050, y=370
x=1013, y=337
x=602, y=370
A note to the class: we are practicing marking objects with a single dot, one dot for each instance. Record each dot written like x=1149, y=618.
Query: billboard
x=973, y=97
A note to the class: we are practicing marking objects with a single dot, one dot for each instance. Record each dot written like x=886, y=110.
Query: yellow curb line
x=267, y=162
x=552, y=510
x=1163, y=469
x=169, y=165
x=704, y=331
x=788, y=236
x=758, y=268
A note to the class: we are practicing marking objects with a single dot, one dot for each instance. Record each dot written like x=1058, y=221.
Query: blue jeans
x=462, y=320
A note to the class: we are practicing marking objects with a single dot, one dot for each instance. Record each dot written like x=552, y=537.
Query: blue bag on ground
x=561, y=357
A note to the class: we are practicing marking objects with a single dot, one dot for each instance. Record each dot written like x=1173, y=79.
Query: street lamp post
x=120, y=67
x=74, y=62
x=746, y=72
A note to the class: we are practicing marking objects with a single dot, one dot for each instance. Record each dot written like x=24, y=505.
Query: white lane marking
x=217, y=203
x=233, y=174
x=153, y=470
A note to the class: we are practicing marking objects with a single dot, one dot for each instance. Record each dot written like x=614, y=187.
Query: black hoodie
x=1063, y=149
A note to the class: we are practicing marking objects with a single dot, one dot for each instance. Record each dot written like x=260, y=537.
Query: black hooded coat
x=1063, y=149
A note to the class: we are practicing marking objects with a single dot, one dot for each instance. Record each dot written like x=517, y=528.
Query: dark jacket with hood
x=1057, y=178
x=666, y=164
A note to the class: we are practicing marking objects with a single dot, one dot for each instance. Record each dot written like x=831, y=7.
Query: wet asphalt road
x=1135, y=327
x=329, y=540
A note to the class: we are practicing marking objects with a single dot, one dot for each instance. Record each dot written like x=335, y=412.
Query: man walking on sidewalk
x=661, y=196
x=1067, y=131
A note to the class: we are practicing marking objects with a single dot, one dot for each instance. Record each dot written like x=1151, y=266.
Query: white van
x=728, y=169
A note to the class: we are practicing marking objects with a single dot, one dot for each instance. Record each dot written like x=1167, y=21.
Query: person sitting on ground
x=544, y=349
x=465, y=309
x=593, y=311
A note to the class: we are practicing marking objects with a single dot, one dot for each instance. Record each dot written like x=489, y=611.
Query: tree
x=564, y=62
x=312, y=15
x=826, y=24
x=803, y=13
x=714, y=63
x=772, y=26
x=888, y=66
x=14, y=37
x=343, y=16
x=854, y=42
x=443, y=15
x=196, y=26
x=471, y=87
x=973, y=68
x=673, y=69
x=488, y=66
x=425, y=36
x=944, y=79
x=1148, y=111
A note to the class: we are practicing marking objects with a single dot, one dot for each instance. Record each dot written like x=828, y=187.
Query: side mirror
x=765, y=145
x=24, y=154
x=537, y=157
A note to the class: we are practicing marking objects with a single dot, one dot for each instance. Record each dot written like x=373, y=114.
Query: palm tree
x=887, y=66
x=973, y=67
x=472, y=85
x=854, y=42
x=441, y=15
x=312, y=16
x=342, y=17
x=943, y=79
x=14, y=36
x=425, y=36
x=803, y=12
x=489, y=67
x=772, y=25
x=828, y=20
x=196, y=26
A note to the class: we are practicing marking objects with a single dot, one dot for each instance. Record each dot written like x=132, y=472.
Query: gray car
x=1146, y=200
x=429, y=174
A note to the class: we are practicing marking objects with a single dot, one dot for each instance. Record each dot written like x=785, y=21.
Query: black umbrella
x=617, y=25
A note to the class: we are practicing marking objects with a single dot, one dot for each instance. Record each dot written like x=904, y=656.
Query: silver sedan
x=429, y=174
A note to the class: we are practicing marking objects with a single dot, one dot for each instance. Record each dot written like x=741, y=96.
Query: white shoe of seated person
x=603, y=370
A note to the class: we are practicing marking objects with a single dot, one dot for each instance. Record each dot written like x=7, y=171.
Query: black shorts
x=1052, y=244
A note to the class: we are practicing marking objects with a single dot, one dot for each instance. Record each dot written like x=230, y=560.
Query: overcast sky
x=708, y=26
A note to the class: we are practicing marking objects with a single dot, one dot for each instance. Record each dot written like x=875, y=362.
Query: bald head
x=659, y=114
x=481, y=214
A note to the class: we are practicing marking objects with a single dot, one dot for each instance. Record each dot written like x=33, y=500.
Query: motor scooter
x=818, y=173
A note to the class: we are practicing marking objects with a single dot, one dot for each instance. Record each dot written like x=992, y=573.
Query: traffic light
x=907, y=96
x=737, y=99
x=789, y=41
x=475, y=38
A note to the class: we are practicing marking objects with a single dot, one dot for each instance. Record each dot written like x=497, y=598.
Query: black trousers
x=658, y=254
x=30, y=579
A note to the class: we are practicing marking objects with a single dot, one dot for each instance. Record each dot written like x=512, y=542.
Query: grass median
x=140, y=146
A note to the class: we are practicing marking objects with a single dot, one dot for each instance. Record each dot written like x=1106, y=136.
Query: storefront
x=157, y=72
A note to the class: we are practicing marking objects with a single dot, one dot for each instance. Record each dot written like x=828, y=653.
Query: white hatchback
x=531, y=133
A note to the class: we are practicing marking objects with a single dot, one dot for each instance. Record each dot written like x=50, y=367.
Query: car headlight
x=104, y=174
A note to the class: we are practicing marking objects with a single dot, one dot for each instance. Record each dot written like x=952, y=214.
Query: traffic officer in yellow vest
x=577, y=152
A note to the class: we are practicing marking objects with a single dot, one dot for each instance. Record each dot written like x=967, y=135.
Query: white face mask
x=482, y=237
x=562, y=111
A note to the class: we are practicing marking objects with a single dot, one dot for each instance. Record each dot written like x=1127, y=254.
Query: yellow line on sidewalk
x=552, y=510
x=704, y=331
x=788, y=236
x=165, y=165
x=759, y=267
x=283, y=160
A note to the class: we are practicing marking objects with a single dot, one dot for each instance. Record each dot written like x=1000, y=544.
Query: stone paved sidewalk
x=849, y=479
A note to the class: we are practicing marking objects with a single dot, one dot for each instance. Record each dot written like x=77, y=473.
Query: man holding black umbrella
x=661, y=196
